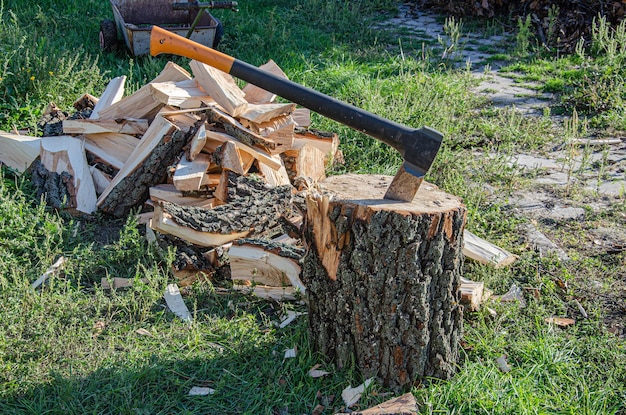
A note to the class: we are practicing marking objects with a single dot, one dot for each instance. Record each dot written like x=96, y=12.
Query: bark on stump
x=383, y=279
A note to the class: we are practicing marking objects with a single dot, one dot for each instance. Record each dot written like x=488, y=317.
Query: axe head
x=418, y=149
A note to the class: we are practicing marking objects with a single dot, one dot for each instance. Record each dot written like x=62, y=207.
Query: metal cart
x=135, y=18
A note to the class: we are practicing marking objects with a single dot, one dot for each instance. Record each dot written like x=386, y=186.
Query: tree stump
x=383, y=278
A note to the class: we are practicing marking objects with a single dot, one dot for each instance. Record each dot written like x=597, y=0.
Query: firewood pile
x=217, y=172
x=213, y=169
x=565, y=21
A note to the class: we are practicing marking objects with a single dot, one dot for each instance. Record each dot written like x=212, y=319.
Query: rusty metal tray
x=135, y=18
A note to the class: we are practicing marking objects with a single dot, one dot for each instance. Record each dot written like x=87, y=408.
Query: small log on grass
x=383, y=278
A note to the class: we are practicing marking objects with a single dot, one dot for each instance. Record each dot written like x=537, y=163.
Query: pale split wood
x=100, y=179
x=259, y=154
x=130, y=126
x=253, y=263
x=18, y=151
x=141, y=104
x=259, y=113
x=236, y=129
x=274, y=177
x=256, y=95
x=164, y=223
x=158, y=129
x=307, y=161
x=189, y=174
x=302, y=117
x=197, y=142
x=227, y=156
x=267, y=292
x=176, y=304
x=221, y=86
x=50, y=271
x=112, y=94
x=183, y=94
x=472, y=293
x=483, y=251
x=67, y=154
x=169, y=193
x=112, y=148
x=327, y=143
x=210, y=179
x=247, y=161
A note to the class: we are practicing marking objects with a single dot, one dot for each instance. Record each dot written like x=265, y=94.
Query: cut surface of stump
x=383, y=278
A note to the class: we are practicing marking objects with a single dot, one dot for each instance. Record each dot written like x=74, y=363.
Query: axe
x=418, y=147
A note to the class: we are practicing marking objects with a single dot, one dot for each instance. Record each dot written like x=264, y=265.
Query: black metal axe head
x=418, y=149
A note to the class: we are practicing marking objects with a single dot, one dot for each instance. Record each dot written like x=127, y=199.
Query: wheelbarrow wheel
x=108, y=35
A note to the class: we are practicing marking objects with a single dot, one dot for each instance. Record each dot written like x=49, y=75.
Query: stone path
x=599, y=170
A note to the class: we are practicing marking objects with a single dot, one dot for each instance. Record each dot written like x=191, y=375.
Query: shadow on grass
x=249, y=385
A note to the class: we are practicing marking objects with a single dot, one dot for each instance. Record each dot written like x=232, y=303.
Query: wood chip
x=352, y=395
x=503, y=365
x=560, y=321
x=175, y=302
x=201, y=391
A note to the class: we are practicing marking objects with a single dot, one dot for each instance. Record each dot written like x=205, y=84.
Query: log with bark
x=383, y=278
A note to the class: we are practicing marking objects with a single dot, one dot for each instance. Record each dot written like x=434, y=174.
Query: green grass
x=74, y=348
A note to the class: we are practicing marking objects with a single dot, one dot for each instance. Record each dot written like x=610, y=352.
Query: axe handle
x=392, y=133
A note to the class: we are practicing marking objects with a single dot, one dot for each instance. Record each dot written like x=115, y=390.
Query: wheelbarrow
x=133, y=19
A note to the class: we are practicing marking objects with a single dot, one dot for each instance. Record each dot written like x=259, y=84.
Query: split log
x=256, y=95
x=266, y=262
x=249, y=212
x=326, y=142
x=305, y=161
x=471, y=293
x=142, y=104
x=112, y=94
x=101, y=180
x=183, y=94
x=189, y=175
x=18, y=151
x=257, y=153
x=235, y=129
x=485, y=252
x=383, y=278
x=67, y=154
x=228, y=158
x=196, y=144
x=259, y=113
x=274, y=177
x=130, y=126
x=112, y=148
x=302, y=117
x=169, y=193
x=147, y=165
x=221, y=86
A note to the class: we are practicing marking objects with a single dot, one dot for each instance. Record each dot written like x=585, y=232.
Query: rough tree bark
x=383, y=278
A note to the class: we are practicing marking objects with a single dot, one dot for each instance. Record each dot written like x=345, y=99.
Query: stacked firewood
x=211, y=167
x=561, y=22
x=216, y=172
